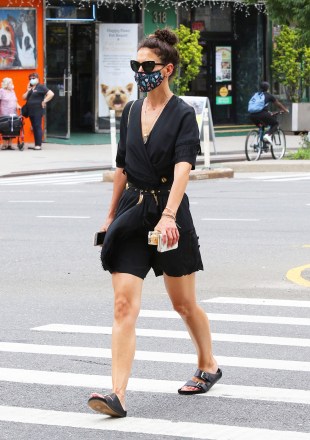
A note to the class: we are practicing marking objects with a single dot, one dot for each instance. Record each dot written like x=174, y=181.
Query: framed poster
x=223, y=63
x=18, y=38
x=117, y=46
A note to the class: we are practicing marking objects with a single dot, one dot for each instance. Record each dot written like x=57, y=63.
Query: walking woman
x=158, y=145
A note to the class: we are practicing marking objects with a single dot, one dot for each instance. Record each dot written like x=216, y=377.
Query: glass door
x=58, y=79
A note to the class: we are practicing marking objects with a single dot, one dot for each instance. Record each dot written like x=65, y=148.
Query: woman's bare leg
x=182, y=293
x=127, y=300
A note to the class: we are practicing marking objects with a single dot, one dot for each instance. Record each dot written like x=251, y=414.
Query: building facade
x=82, y=52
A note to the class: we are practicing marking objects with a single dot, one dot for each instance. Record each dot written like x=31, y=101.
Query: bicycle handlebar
x=279, y=112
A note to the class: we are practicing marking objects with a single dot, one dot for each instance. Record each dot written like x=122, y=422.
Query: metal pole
x=206, y=137
x=113, y=138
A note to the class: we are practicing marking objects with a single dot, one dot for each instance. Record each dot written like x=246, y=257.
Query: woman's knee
x=125, y=308
x=185, y=308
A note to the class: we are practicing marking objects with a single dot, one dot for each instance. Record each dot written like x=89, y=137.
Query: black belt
x=161, y=190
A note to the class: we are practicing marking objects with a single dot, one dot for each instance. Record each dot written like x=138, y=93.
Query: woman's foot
x=107, y=404
x=201, y=382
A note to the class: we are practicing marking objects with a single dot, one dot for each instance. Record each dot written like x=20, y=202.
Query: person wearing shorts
x=159, y=142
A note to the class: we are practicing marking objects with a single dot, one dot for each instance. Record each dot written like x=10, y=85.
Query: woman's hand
x=168, y=229
x=107, y=223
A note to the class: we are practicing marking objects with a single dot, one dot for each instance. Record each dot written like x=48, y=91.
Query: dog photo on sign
x=17, y=38
x=116, y=97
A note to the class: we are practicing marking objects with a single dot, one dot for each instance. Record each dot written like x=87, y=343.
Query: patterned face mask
x=148, y=81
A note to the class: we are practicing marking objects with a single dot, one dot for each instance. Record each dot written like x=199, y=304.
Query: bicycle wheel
x=278, y=146
x=253, y=147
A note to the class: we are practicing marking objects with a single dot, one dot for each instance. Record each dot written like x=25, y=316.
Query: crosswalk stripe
x=152, y=385
x=285, y=320
x=51, y=179
x=163, y=427
x=273, y=364
x=258, y=302
x=177, y=334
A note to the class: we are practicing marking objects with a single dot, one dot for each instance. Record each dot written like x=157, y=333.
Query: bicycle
x=255, y=144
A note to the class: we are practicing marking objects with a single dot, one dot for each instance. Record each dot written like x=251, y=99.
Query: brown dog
x=7, y=44
x=116, y=97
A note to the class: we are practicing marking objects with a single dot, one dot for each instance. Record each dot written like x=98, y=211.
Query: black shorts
x=135, y=256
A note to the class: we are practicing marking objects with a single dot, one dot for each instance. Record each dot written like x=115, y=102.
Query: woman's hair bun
x=167, y=36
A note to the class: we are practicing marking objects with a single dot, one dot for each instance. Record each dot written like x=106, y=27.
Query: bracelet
x=169, y=215
x=170, y=210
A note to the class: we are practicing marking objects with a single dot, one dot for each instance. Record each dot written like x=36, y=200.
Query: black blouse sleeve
x=187, y=144
x=121, y=149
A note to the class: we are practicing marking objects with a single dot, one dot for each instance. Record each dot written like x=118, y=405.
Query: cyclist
x=258, y=109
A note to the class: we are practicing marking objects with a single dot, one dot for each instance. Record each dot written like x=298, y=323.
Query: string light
x=238, y=5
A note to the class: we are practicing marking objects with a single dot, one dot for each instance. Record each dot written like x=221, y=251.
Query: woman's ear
x=169, y=70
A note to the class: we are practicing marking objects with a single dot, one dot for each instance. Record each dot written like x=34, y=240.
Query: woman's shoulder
x=183, y=106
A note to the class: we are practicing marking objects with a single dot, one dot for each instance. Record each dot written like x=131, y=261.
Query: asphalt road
x=253, y=230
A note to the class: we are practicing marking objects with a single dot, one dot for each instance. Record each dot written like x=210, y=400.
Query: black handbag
x=25, y=110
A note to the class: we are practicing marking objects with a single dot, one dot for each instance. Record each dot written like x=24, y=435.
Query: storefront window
x=123, y=14
x=213, y=18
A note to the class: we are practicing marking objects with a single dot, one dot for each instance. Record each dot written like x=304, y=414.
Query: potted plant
x=291, y=68
x=190, y=59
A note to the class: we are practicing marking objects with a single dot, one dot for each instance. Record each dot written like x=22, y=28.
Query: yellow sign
x=223, y=91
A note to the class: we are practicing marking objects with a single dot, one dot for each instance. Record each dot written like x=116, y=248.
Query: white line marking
x=50, y=183
x=154, y=356
x=283, y=176
x=152, y=385
x=161, y=427
x=41, y=177
x=258, y=302
x=285, y=320
x=289, y=179
x=231, y=219
x=177, y=334
x=61, y=216
x=31, y=201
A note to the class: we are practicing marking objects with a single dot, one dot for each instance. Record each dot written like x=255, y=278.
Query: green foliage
x=190, y=58
x=303, y=153
x=291, y=63
x=289, y=12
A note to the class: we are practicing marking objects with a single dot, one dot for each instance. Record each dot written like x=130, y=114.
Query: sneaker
x=268, y=138
x=37, y=147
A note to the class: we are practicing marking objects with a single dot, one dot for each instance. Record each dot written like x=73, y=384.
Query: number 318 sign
x=159, y=17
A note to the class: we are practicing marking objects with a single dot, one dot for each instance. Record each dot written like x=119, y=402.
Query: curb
x=266, y=166
x=200, y=174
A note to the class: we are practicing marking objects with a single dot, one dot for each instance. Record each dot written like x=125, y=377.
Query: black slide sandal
x=108, y=404
x=209, y=380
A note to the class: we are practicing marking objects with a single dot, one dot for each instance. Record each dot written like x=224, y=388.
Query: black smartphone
x=99, y=238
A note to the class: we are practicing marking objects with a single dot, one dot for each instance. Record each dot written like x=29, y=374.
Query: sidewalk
x=64, y=158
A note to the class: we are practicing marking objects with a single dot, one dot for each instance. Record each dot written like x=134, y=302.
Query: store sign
x=223, y=94
x=223, y=63
x=117, y=46
x=158, y=17
x=226, y=100
x=18, y=41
